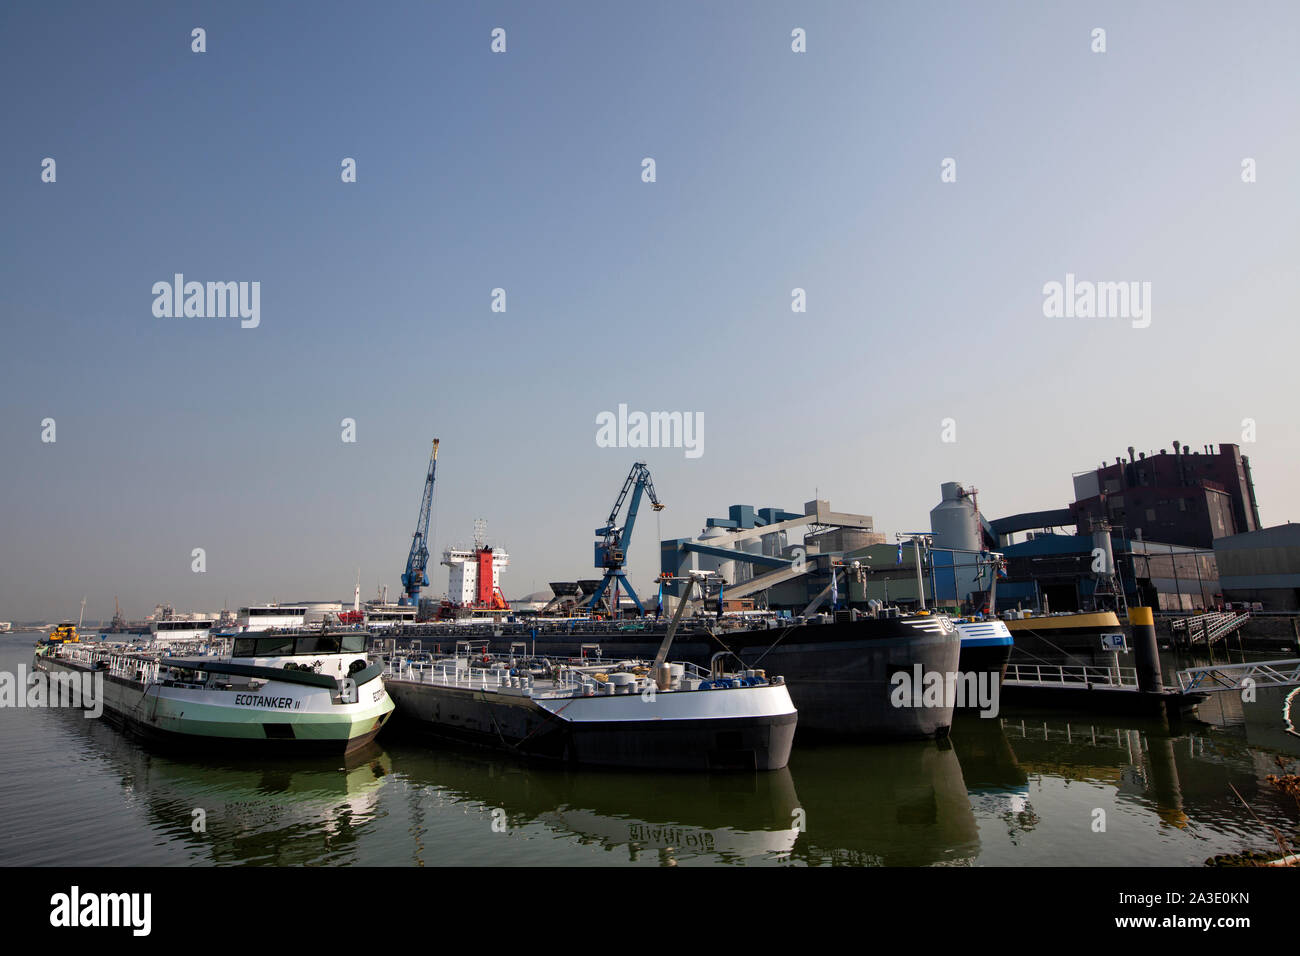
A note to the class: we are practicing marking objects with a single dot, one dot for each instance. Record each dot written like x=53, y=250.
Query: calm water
x=1019, y=790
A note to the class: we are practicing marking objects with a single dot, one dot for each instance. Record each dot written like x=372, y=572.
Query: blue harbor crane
x=415, y=576
x=611, y=549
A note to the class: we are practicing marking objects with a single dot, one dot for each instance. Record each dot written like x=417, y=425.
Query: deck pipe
x=1146, y=653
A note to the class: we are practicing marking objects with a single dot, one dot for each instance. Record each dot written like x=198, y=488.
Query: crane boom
x=415, y=577
x=611, y=549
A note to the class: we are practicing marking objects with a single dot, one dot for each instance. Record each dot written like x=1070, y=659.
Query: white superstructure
x=262, y=616
x=463, y=573
x=166, y=632
x=380, y=616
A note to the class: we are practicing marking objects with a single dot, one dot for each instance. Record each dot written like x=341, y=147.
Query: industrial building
x=1141, y=530
x=1188, y=497
x=1261, y=566
x=1149, y=530
x=749, y=551
x=1054, y=572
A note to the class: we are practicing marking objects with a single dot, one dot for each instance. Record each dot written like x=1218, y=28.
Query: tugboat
x=64, y=633
x=292, y=692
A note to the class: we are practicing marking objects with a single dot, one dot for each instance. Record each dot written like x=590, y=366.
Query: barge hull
x=518, y=725
x=845, y=688
x=161, y=721
x=838, y=672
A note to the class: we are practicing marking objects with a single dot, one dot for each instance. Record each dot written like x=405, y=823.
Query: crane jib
x=611, y=549
x=415, y=577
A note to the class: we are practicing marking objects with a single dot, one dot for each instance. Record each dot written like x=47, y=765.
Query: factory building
x=1143, y=530
x=1188, y=497
x=1261, y=566
x=1056, y=572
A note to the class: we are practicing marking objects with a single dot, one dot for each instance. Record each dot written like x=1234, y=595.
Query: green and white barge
x=307, y=692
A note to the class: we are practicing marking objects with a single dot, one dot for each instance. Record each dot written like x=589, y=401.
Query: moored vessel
x=840, y=668
x=599, y=713
x=1063, y=635
x=293, y=692
x=985, y=646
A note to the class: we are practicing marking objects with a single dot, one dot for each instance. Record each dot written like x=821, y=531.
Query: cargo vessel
x=1063, y=636
x=291, y=692
x=594, y=712
x=839, y=667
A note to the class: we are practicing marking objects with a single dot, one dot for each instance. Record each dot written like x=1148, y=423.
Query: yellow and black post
x=1146, y=653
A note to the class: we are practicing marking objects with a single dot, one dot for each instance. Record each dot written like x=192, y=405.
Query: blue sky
x=522, y=171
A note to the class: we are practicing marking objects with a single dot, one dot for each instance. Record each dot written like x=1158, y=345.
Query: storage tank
x=1101, y=541
x=725, y=568
x=952, y=521
x=745, y=569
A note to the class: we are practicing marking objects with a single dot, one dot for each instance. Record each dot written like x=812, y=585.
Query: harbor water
x=1021, y=789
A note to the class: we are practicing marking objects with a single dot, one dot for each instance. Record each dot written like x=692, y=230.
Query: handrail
x=1071, y=675
x=1281, y=673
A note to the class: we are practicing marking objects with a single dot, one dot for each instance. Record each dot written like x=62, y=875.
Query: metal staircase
x=1206, y=629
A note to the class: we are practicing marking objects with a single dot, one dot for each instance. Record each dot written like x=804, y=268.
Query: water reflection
x=1186, y=781
x=884, y=804
x=997, y=784
x=1011, y=791
x=721, y=818
x=242, y=810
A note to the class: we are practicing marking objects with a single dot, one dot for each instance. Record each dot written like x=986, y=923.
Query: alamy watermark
x=922, y=688
x=83, y=691
x=1075, y=299
x=212, y=300
x=124, y=910
x=624, y=429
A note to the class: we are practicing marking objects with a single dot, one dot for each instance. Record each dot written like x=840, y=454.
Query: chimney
x=1130, y=455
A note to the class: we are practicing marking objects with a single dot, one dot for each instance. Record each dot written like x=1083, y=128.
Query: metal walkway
x=1206, y=629
x=1219, y=677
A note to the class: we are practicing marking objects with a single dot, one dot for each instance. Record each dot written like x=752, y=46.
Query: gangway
x=1219, y=677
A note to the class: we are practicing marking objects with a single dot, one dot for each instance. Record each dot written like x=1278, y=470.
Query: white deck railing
x=1070, y=675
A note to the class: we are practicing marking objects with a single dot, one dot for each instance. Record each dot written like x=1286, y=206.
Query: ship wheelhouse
x=298, y=645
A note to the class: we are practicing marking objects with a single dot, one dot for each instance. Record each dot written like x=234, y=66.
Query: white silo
x=952, y=521
x=1103, y=550
x=725, y=568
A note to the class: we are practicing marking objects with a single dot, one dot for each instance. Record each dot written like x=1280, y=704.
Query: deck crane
x=415, y=576
x=611, y=549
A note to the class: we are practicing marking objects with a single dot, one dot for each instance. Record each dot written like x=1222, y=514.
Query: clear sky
x=522, y=170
